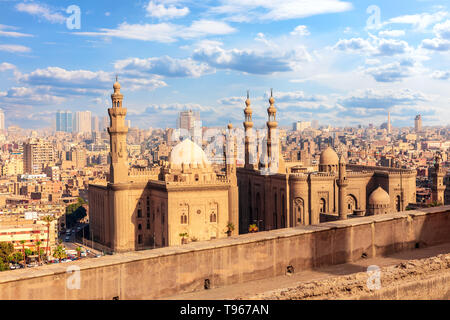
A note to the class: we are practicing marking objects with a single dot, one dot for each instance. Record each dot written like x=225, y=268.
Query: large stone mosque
x=147, y=208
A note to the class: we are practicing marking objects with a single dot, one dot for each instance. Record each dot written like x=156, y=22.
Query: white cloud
x=419, y=21
x=441, y=75
x=12, y=34
x=394, y=71
x=248, y=10
x=436, y=44
x=163, y=66
x=160, y=11
x=392, y=33
x=373, y=46
x=6, y=66
x=442, y=30
x=40, y=11
x=14, y=48
x=249, y=61
x=164, y=32
x=301, y=31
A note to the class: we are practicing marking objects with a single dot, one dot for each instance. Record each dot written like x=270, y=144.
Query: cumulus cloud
x=373, y=46
x=436, y=44
x=164, y=32
x=40, y=11
x=83, y=82
x=382, y=99
x=164, y=66
x=160, y=11
x=300, y=31
x=442, y=30
x=441, y=75
x=392, y=72
x=248, y=61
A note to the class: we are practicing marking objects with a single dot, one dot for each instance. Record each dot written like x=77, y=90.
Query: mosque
x=148, y=208
x=277, y=194
x=143, y=209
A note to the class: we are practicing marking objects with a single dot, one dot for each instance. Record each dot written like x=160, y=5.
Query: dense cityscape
x=254, y=150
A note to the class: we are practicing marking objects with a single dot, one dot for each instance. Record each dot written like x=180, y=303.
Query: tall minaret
x=230, y=153
x=272, y=124
x=249, y=138
x=231, y=164
x=118, y=138
x=342, y=184
x=438, y=187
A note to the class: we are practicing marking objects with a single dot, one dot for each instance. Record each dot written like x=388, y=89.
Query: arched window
x=213, y=217
x=398, y=204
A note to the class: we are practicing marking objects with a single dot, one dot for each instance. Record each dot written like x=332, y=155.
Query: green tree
x=6, y=250
x=15, y=257
x=60, y=253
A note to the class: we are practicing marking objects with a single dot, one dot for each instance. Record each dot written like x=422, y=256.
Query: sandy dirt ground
x=339, y=281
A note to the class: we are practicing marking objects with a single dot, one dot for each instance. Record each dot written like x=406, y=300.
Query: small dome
x=116, y=86
x=230, y=126
x=188, y=152
x=379, y=197
x=329, y=157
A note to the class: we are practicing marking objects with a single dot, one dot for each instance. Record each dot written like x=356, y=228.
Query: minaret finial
x=117, y=78
x=271, y=92
x=248, y=94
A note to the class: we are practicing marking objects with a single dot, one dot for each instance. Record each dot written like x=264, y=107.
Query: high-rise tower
x=389, y=128
x=118, y=138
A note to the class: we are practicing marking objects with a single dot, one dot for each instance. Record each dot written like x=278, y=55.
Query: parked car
x=67, y=239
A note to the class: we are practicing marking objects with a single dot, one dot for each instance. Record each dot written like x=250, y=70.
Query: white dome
x=188, y=152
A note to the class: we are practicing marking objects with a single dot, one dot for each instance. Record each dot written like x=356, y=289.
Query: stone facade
x=143, y=209
x=289, y=195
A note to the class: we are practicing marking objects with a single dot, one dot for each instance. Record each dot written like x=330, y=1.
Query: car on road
x=67, y=239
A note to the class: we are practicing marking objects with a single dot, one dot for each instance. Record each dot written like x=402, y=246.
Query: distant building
x=37, y=155
x=83, y=122
x=418, y=123
x=189, y=122
x=64, y=121
x=95, y=126
x=301, y=125
x=2, y=121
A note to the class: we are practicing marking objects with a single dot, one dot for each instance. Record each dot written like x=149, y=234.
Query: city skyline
x=342, y=62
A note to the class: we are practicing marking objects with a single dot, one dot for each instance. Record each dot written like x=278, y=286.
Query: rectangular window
x=139, y=213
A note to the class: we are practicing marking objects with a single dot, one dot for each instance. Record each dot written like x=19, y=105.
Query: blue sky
x=331, y=60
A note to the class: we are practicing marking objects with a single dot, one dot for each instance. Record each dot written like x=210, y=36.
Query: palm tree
x=38, y=246
x=48, y=219
x=22, y=242
x=59, y=253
